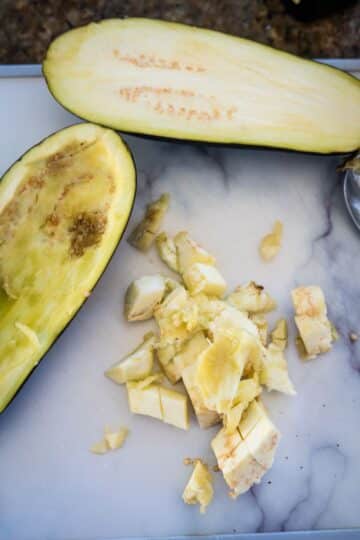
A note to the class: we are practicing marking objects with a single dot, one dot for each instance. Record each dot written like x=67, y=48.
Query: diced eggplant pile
x=218, y=346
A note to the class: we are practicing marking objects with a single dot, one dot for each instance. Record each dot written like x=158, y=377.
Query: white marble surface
x=52, y=487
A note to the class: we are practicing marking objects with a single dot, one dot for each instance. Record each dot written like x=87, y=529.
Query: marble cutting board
x=228, y=198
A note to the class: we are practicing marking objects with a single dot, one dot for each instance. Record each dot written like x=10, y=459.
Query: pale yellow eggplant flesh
x=171, y=80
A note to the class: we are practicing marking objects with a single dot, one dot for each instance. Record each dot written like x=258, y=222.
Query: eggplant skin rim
x=236, y=144
x=127, y=148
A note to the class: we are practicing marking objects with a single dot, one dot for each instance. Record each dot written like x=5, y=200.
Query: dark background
x=315, y=28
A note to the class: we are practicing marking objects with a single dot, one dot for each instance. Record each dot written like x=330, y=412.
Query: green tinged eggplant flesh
x=63, y=208
x=171, y=80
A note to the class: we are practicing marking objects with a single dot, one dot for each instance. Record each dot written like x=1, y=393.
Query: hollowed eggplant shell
x=63, y=209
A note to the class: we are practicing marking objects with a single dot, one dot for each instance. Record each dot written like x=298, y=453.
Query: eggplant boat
x=171, y=80
x=63, y=208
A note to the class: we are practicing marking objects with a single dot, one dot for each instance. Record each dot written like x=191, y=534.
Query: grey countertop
x=315, y=28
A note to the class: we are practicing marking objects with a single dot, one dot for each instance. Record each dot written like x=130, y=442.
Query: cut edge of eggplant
x=135, y=122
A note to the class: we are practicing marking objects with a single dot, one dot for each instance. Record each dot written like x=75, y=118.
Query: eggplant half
x=63, y=208
x=171, y=80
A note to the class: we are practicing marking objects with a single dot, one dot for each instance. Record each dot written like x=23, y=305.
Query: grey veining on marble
x=228, y=198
